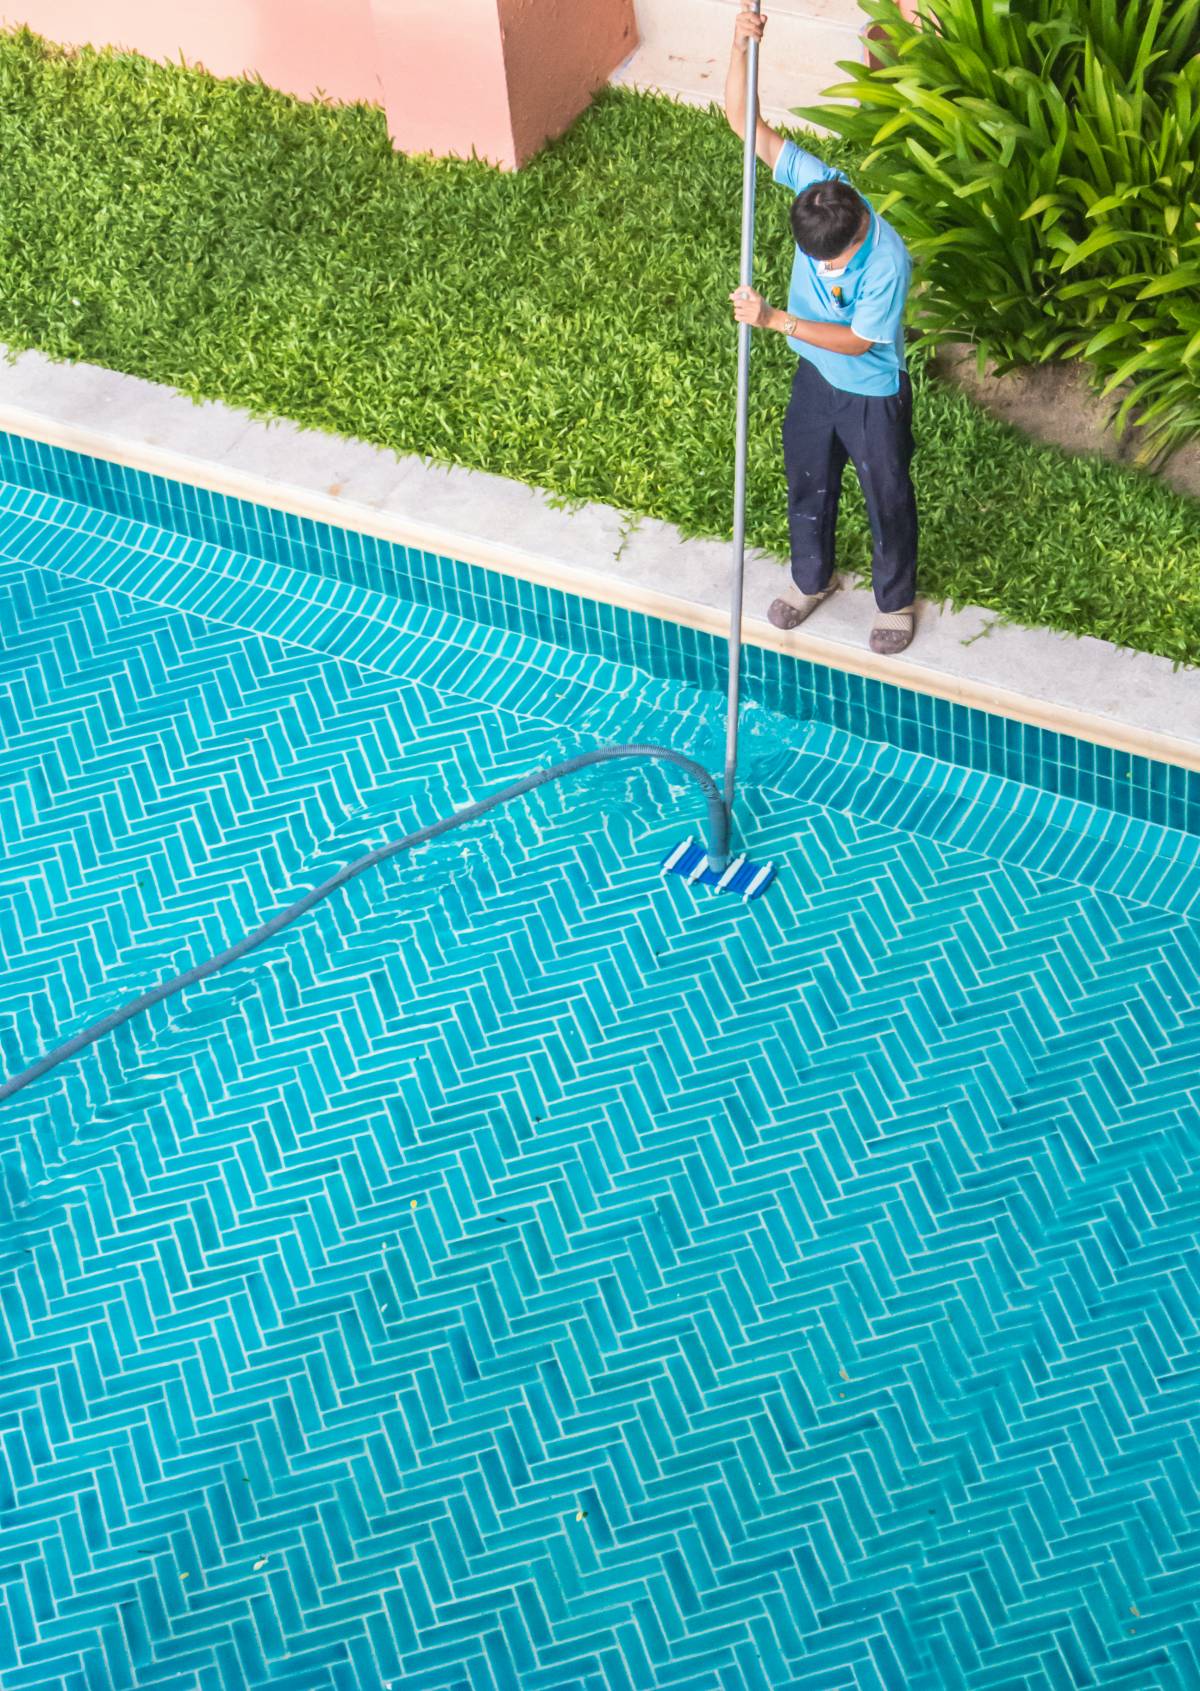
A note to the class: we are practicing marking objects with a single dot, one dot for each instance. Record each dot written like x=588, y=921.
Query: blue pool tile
x=526, y=1273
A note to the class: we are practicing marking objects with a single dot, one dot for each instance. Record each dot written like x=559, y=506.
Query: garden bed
x=1056, y=404
x=567, y=326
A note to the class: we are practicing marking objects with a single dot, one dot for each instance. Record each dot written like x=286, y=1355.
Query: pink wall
x=557, y=54
x=297, y=45
x=497, y=77
x=446, y=87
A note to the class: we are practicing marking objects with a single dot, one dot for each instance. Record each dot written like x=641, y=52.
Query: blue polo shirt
x=869, y=298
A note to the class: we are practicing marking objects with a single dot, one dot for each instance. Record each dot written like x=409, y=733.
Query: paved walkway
x=684, y=50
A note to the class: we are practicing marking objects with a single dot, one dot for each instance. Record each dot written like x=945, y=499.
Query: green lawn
x=568, y=326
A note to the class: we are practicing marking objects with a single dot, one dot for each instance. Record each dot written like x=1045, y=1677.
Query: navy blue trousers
x=824, y=429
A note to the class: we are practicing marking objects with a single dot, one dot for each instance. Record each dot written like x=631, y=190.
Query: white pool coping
x=1084, y=687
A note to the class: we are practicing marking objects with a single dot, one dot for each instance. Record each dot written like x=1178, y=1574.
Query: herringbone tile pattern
x=529, y=1274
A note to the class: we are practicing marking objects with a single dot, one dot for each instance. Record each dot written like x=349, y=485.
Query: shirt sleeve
x=879, y=309
x=797, y=170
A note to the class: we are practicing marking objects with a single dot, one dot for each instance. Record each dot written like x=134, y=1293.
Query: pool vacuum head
x=690, y=860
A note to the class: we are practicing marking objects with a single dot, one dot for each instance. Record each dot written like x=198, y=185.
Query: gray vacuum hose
x=718, y=853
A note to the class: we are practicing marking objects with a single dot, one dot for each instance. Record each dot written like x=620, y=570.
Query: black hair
x=826, y=218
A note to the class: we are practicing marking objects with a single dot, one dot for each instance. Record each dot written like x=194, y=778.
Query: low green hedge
x=1042, y=161
x=568, y=326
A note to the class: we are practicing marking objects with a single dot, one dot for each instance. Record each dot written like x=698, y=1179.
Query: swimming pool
x=529, y=1273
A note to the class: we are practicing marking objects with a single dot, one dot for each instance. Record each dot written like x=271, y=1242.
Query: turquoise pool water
x=527, y=1272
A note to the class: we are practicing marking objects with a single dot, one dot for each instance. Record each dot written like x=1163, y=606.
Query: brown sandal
x=795, y=607
x=892, y=632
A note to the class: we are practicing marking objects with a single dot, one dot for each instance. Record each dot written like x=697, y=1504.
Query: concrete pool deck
x=1084, y=687
x=683, y=51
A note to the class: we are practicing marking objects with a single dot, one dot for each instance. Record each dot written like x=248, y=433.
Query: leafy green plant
x=1042, y=160
x=567, y=326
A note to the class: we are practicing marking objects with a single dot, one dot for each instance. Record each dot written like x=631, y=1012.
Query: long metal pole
x=746, y=280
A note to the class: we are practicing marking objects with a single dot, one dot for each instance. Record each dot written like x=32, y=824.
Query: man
x=851, y=397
